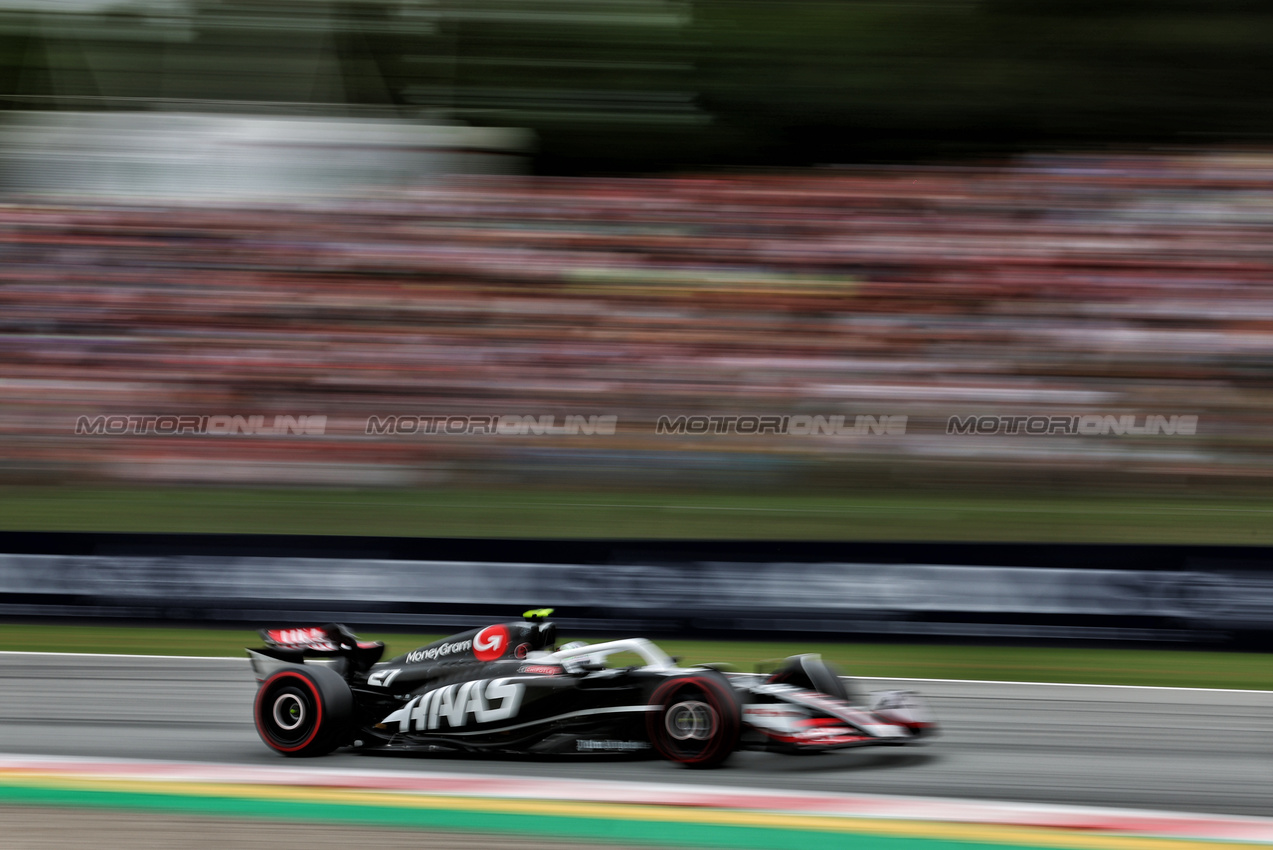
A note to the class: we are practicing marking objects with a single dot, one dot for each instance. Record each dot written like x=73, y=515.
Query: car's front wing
x=786, y=718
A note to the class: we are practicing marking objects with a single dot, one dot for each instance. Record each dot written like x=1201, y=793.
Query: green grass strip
x=1081, y=665
x=1038, y=516
x=622, y=832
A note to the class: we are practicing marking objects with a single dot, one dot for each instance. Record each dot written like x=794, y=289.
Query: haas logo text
x=483, y=701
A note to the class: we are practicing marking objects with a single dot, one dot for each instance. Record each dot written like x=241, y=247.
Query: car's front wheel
x=695, y=721
x=303, y=711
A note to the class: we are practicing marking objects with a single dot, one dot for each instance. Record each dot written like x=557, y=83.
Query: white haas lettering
x=454, y=705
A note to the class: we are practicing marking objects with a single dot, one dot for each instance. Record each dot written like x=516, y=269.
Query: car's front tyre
x=302, y=711
x=696, y=720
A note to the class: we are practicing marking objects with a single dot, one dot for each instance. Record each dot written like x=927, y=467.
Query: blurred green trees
x=831, y=81
x=623, y=85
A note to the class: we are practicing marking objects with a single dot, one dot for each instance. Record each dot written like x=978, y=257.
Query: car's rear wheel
x=696, y=721
x=303, y=711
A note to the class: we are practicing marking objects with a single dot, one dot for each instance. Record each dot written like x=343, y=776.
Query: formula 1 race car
x=507, y=688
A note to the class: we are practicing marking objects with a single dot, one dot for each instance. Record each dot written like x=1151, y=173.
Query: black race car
x=508, y=688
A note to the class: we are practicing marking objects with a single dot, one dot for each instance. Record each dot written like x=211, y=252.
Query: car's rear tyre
x=696, y=721
x=303, y=711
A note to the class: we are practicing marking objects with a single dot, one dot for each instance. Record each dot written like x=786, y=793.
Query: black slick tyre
x=696, y=721
x=303, y=711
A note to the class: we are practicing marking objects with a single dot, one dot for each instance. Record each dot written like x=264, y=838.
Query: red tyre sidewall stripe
x=318, y=710
x=711, y=691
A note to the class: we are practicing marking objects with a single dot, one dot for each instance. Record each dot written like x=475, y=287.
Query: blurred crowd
x=1053, y=285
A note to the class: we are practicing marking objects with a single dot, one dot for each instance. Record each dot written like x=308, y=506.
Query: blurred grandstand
x=1050, y=285
x=339, y=208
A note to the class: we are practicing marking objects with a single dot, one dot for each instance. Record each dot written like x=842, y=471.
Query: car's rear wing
x=332, y=646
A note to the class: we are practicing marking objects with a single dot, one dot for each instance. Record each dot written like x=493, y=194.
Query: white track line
x=125, y=655
x=1063, y=684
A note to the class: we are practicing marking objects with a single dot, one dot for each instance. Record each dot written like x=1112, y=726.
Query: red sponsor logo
x=299, y=637
x=490, y=643
x=540, y=669
x=756, y=711
x=522, y=650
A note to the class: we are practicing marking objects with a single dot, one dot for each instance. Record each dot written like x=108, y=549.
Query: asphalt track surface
x=1159, y=748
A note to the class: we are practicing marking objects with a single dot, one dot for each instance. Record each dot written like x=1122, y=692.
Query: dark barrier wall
x=1215, y=595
